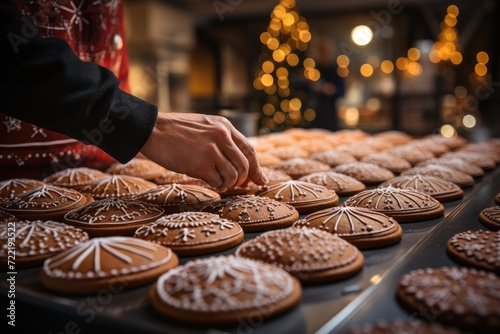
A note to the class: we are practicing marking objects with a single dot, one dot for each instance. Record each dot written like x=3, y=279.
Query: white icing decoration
x=297, y=190
x=44, y=197
x=173, y=194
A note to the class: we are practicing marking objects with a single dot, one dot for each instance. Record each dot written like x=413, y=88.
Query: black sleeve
x=44, y=83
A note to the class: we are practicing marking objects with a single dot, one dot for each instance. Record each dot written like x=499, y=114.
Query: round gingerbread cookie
x=303, y=196
x=176, y=197
x=457, y=296
x=453, y=143
x=311, y=255
x=220, y=291
x=342, y=184
x=254, y=213
x=275, y=176
x=403, y=327
x=169, y=177
x=388, y=161
x=482, y=160
x=6, y=217
x=192, y=233
x=44, y=202
x=438, y=188
x=74, y=178
x=357, y=149
x=490, y=217
x=267, y=160
x=37, y=240
x=288, y=152
x=298, y=167
x=142, y=168
x=238, y=190
x=394, y=136
x=12, y=187
x=413, y=155
x=117, y=186
x=428, y=144
x=457, y=164
x=460, y=179
x=404, y=205
x=333, y=157
x=478, y=249
x=101, y=263
x=365, y=172
x=113, y=216
x=363, y=228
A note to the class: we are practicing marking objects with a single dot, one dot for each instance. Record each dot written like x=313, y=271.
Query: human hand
x=203, y=146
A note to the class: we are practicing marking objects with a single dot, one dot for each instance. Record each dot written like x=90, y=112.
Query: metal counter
x=330, y=308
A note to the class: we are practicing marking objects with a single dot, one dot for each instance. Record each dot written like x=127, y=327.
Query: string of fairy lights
x=287, y=38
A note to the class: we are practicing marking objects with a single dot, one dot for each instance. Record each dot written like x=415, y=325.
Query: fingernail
x=264, y=178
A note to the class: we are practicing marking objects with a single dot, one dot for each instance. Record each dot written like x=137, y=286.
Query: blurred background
x=427, y=66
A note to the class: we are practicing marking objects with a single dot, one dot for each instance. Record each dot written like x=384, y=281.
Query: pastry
x=113, y=216
x=490, y=217
x=220, y=291
x=482, y=160
x=238, y=190
x=37, y=240
x=254, y=213
x=436, y=187
x=104, y=263
x=388, y=161
x=395, y=137
x=363, y=228
x=288, y=152
x=299, y=167
x=412, y=326
x=342, y=184
x=267, y=160
x=275, y=176
x=489, y=148
x=44, y=202
x=404, y=205
x=430, y=145
x=478, y=249
x=117, y=186
x=365, y=172
x=378, y=144
x=12, y=187
x=178, y=197
x=413, y=155
x=311, y=255
x=458, y=296
x=74, y=178
x=192, y=233
x=6, y=217
x=169, y=177
x=452, y=142
x=457, y=164
x=303, y=196
x=142, y=168
x=460, y=179
x=357, y=150
x=333, y=157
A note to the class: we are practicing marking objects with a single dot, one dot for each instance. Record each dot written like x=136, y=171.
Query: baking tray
x=363, y=298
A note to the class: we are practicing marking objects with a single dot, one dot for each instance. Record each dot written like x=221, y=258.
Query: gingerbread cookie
x=428, y=144
x=453, y=143
x=394, y=136
x=74, y=178
x=342, y=184
x=457, y=164
x=44, y=202
x=363, y=228
x=117, y=186
x=220, y=291
x=192, y=233
x=311, y=255
x=388, y=161
x=142, y=168
x=101, y=263
x=288, y=152
x=175, y=197
x=460, y=179
x=254, y=213
x=411, y=154
x=412, y=326
x=458, y=296
x=275, y=176
x=404, y=205
x=478, y=249
x=170, y=177
x=490, y=217
x=305, y=197
x=358, y=150
x=38, y=240
x=365, y=172
x=299, y=167
x=436, y=187
x=482, y=160
x=12, y=187
x=6, y=217
x=267, y=160
x=333, y=157
x=113, y=216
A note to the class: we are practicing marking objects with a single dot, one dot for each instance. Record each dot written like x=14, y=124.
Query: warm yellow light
x=480, y=69
x=267, y=80
x=285, y=48
x=362, y=35
x=387, y=66
x=305, y=36
x=268, y=66
x=285, y=105
x=284, y=92
x=283, y=83
x=275, y=26
x=456, y=58
x=343, y=61
x=292, y=59
x=295, y=104
x=309, y=115
x=343, y=72
x=414, y=54
x=450, y=34
x=434, y=56
x=373, y=103
x=482, y=57
x=273, y=43
x=257, y=84
x=294, y=115
x=278, y=55
x=302, y=46
x=268, y=109
x=469, y=121
x=282, y=73
x=288, y=19
x=279, y=11
x=402, y=63
x=351, y=116
x=309, y=63
x=447, y=131
x=414, y=68
x=460, y=92
x=314, y=75
x=270, y=90
x=264, y=37
x=302, y=25
x=279, y=117
x=451, y=21
x=366, y=70
x=452, y=10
